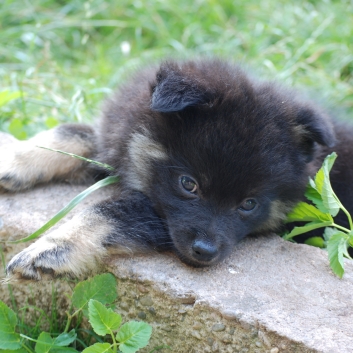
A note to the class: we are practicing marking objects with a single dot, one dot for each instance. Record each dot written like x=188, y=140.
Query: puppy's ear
x=312, y=126
x=175, y=91
x=316, y=126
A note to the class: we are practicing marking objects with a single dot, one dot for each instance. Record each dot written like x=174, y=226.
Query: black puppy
x=206, y=156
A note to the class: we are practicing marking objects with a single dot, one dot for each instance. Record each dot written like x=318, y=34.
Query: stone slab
x=269, y=296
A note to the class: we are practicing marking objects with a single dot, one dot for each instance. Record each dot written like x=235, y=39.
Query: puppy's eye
x=188, y=184
x=248, y=205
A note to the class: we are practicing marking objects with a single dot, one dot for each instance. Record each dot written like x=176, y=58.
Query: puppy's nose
x=204, y=250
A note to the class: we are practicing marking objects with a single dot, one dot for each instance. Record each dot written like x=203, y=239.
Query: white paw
x=41, y=260
x=74, y=249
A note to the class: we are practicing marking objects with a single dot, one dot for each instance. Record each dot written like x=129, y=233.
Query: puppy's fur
x=206, y=156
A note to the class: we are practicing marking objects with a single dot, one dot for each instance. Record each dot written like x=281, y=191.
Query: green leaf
x=101, y=288
x=16, y=128
x=305, y=212
x=330, y=200
x=73, y=203
x=51, y=122
x=345, y=251
x=306, y=228
x=316, y=241
x=9, y=339
x=99, y=348
x=313, y=195
x=7, y=96
x=329, y=232
x=324, y=197
x=324, y=171
x=336, y=247
x=350, y=239
x=65, y=338
x=323, y=185
x=44, y=343
x=319, y=180
x=21, y=350
x=133, y=335
x=103, y=320
x=329, y=162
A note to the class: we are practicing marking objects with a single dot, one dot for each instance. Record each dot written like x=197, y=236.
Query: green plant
x=325, y=205
x=94, y=299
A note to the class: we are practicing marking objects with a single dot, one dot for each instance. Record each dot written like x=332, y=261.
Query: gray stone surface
x=269, y=296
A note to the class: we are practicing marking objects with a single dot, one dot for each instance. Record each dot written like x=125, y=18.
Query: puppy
x=205, y=154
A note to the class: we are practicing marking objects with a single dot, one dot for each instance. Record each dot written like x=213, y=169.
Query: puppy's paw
x=75, y=249
x=41, y=260
x=15, y=168
x=13, y=182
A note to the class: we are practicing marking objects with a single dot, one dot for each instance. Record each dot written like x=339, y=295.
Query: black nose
x=204, y=250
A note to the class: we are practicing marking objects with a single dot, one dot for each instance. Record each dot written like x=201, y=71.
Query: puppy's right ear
x=175, y=91
x=313, y=126
x=316, y=126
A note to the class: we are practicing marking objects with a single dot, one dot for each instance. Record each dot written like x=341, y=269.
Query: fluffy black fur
x=236, y=138
x=207, y=156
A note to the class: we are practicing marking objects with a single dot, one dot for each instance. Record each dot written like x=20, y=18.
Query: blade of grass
x=64, y=211
x=103, y=165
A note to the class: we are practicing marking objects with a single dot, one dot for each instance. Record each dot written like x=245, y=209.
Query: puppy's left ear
x=175, y=90
x=316, y=126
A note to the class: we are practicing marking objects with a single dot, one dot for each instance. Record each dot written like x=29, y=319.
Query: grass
x=64, y=57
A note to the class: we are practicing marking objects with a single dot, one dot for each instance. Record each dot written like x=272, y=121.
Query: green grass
x=66, y=56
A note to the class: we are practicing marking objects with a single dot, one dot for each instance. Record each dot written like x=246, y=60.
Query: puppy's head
x=230, y=156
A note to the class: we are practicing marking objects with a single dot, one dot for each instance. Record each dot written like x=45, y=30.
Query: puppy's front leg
x=124, y=226
x=23, y=164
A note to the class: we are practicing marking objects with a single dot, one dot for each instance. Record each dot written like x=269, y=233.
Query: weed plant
x=324, y=205
x=94, y=299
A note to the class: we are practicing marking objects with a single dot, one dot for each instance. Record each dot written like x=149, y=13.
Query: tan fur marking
x=142, y=149
x=278, y=213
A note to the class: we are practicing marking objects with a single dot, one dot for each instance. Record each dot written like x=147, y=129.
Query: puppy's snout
x=203, y=250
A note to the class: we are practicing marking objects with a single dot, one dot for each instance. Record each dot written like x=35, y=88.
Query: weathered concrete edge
x=184, y=323
x=191, y=325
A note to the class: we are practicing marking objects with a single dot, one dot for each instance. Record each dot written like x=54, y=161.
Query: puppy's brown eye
x=248, y=205
x=188, y=184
